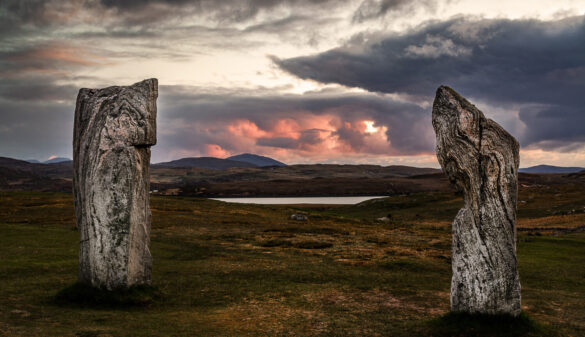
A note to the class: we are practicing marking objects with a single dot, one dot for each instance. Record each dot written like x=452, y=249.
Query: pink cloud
x=215, y=150
x=307, y=136
x=336, y=130
x=287, y=127
x=54, y=58
x=245, y=128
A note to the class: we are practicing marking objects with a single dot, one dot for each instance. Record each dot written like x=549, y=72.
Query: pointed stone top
x=447, y=94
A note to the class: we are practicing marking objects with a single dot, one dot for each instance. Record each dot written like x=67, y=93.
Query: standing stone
x=481, y=159
x=114, y=129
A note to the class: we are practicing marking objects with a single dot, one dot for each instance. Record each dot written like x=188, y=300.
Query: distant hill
x=550, y=169
x=15, y=164
x=21, y=175
x=578, y=175
x=211, y=163
x=214, y=177
x=257, y=160
x=56, y=170
x=32, y=161
x=55, y=160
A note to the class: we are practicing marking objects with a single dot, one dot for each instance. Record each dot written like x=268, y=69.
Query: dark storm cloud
x=25, y=11
x=133, y=4
x=559, y=127
x=54, y=58
x=351, y=136
x=37, y=88
x=144, y=12
x=539, y=66
x=222, y=10
x=36, y=112
x=35, y=129
x=149, y=27
x=311, y=136
x=374, y=9
x=292, y=22
x=281, y=142
x=43, y=72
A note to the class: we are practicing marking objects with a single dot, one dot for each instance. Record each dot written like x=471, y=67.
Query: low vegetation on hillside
x=379, y=268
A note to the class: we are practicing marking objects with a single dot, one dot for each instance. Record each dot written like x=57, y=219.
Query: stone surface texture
x=481, y=159
x=113, y=131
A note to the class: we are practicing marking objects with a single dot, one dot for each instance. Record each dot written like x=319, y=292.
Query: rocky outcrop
x=481, y=159
x=114, y=129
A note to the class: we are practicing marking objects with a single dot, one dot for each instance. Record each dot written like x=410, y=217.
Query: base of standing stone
x=84, y=294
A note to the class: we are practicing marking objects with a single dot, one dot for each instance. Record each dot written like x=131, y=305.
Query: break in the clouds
x=251, y=75
x=536, y=68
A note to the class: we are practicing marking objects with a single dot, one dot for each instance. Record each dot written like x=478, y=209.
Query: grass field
x=245, y=270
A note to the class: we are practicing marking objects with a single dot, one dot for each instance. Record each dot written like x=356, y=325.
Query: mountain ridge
x=57, y=160
x=260, y=161
x=245, y=179
x=211, y=163
x=551, y=169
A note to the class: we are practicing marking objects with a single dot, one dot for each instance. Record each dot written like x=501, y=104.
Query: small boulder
x=299, y=217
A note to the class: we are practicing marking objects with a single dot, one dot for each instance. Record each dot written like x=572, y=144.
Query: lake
x=299, y=200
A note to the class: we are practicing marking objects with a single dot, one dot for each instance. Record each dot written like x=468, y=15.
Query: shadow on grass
x=464, y=324
x=84, y=295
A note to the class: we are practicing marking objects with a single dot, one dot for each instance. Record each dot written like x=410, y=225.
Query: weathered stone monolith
x=481, y=159
x=114, y=129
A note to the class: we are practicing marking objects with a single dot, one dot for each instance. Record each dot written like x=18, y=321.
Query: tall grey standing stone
x=481, y=159
x=114, y=129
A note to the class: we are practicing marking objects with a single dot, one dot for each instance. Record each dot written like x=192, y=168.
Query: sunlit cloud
x=215, y=150
x=370, y=127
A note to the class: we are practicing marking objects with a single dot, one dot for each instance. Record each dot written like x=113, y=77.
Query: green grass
x=247, y=270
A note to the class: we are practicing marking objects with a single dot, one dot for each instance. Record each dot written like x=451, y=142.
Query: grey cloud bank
x=534, y=66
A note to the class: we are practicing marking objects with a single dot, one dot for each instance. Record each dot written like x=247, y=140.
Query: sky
x=301, y=81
